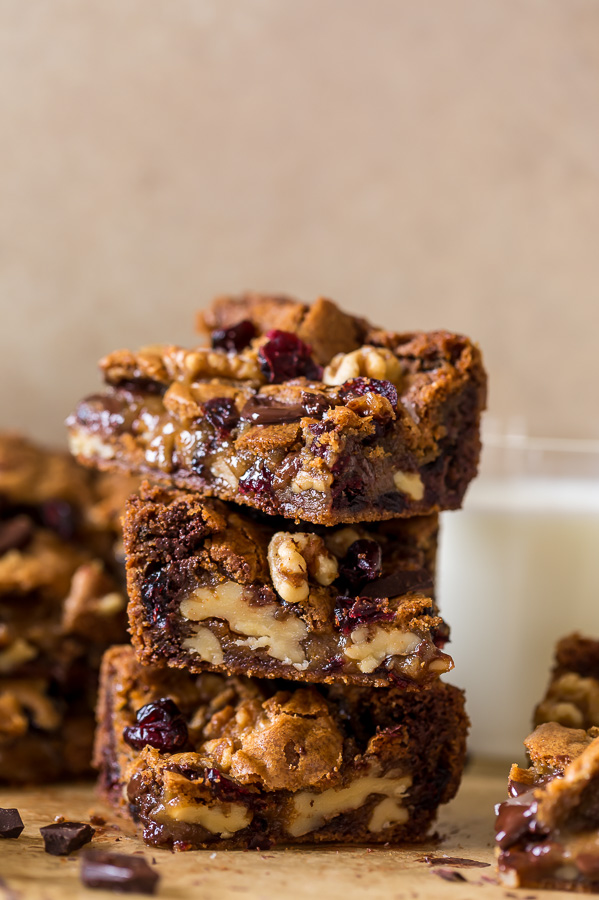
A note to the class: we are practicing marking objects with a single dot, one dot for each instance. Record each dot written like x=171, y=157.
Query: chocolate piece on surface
x=11, y=823
x=61, y=838
x=118, y=872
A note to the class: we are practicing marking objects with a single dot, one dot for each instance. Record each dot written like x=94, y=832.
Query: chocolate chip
x=15, y=534
x=397, y=584
x=118, y=872
x=11, y=823
x=61, y=838
x=449, y=874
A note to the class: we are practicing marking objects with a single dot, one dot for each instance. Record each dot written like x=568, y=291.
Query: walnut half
x=292, y=557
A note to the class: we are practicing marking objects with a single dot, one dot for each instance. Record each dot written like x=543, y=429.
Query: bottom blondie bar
x=215, y=761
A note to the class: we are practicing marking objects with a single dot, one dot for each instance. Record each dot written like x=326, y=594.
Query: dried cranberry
x=351, y=612
x=318, y=447
x=257, y=480
x=159, y=724
x=333, y=665
x=361, y=563
x=348, y=489
x=159, y=586
x=60, y=517
x=225, y=788
x=285, y=356
x=357, y=387
x=398, y=681
x=234, y=338
x=222, y=414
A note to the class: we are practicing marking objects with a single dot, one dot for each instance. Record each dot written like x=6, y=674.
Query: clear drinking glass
x=518, y=569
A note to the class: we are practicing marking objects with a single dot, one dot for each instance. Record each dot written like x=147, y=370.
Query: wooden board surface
x=335, y=873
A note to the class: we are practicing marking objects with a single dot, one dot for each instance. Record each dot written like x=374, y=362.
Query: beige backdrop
x=427, y=163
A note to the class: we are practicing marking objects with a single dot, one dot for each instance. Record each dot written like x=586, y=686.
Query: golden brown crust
x=325, y=327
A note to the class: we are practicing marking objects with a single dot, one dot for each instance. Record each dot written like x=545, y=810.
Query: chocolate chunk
x=61, y=838
x=11, y=823
x=15, y=534
x=449, y=875
x=515, y=817
x=397, y=584
x=118, y=872
x=265, y=412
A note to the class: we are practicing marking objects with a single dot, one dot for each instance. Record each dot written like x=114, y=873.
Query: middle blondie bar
x=211, y=588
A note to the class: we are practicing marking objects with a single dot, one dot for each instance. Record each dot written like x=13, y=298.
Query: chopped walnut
x=372, y=362
x=292, y=557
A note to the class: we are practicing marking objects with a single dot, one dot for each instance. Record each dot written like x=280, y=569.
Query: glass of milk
x=518, y=569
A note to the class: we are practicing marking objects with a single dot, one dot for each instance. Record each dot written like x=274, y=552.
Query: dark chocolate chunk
x=61, y=838
x=118, y=872
x=449, y=874
x=516, y=817
x=264, y=412
x=15, y=534
x=11, y=823
x=398, y=583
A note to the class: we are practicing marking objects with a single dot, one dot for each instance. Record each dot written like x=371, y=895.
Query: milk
x=518, y=569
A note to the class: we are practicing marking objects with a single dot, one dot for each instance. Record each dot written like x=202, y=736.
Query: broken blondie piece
x=357, y=425
x=211, y=587
x=548, y=831
x=211, y=761
x=61, y=604
x=572, y=696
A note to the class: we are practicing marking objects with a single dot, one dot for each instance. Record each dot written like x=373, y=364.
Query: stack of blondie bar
x=283, y=684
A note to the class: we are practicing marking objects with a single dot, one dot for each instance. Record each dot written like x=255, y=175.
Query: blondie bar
x=572, y=696
x=358, y=424
x=548, y=831
x=211, y=761
x=212, y=587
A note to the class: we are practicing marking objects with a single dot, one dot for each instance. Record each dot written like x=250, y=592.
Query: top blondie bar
x=296, y=410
